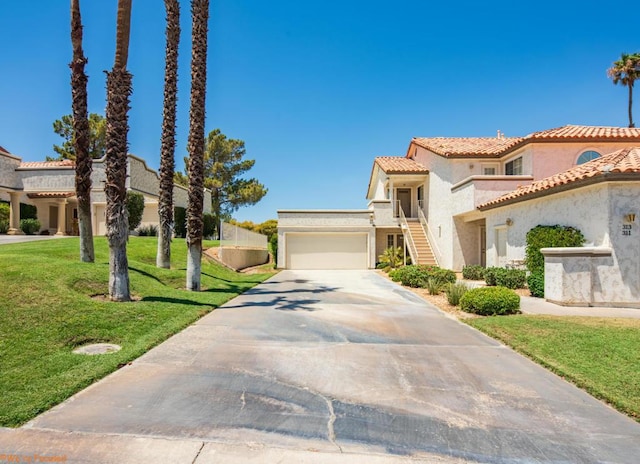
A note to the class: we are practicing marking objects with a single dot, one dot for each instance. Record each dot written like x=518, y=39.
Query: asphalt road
x=347, y=362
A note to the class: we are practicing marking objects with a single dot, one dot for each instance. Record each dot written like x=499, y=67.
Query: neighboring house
x=50, y=186
x=429, y=201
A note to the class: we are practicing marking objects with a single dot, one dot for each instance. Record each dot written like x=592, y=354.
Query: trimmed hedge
x=416, y=276
x=473, y=272
x=490, y=301
x=30, y=226
x=501, y=277
x=547, y=237
x=209, y=225
x=535, y=281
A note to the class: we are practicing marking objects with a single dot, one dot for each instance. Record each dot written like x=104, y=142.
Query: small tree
x=97, y=143
x=224, y=167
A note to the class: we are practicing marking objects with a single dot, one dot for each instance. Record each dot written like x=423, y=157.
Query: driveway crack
x=332, y=419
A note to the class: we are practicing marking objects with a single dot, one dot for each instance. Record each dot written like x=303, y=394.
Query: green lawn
x=600, y=355
x=47, y=310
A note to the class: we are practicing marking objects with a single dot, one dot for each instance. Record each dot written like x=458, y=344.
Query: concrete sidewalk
x=531, y=305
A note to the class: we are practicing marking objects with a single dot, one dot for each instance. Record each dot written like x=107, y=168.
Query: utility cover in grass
x=97, y=348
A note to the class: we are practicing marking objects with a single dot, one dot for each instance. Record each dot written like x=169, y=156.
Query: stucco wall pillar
x=61, y=216
x=14, y=214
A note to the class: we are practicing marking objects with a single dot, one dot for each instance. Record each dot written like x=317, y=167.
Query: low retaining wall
x=240, y=258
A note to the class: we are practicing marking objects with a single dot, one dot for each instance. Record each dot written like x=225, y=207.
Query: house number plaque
x=626, y=229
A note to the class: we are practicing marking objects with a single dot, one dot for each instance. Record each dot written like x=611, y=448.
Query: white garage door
x=326, y=251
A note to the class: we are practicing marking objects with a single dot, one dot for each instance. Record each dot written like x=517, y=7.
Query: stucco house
x=437, y=201
x=50, y=186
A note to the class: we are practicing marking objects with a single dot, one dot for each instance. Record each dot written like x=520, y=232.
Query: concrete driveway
x=340, y=366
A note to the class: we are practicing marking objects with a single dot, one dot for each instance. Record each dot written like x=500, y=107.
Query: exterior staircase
x=423, y=247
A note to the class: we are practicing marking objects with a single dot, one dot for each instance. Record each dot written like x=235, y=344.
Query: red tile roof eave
x=603, y=177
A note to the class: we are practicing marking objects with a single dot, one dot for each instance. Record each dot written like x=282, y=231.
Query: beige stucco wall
x=241, y=258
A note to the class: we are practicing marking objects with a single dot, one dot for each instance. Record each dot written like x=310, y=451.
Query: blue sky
x=317, y=89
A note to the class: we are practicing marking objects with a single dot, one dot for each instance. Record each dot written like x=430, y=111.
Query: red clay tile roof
x=400, y=165
x=496, y=147
x=47, y=164
x=50, y=194
x=586, y=132
x=625, y=161
x=4, y=150
x=467, y=146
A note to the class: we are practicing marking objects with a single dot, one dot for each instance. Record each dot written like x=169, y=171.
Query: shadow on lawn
x=164, y=299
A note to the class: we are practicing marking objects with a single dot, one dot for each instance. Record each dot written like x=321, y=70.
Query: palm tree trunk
x=167, y=162
x=630, y=85
x=81, y=136
x=195, y=145
x=118, y=91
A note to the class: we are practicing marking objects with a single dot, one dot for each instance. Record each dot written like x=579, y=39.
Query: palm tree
x=195, y=145
x=118, y=91
x=167, y=150
x=625, y=71
x=81, y=136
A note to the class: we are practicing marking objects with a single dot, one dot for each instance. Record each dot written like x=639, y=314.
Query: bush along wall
x=547, y=237
x=180, y=218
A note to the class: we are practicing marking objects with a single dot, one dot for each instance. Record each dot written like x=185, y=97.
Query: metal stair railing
x=406, y=232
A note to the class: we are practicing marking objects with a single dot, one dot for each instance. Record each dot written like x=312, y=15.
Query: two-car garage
x=326, y=250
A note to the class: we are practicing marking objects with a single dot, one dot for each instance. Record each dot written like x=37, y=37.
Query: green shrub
x=209, y=225
x=455, y=292
x=489, y=301
x=4, y=212
x=4, y=227
x=446, y=276
x=30, y=226
x=273, y=245
x=434, y=285
x=535, y=281
x=491, y=275
x=180, y=216
x=473, y=272
x=511, y=278
x=148, y=231
x=502, y=277
x=135, y=209
x=28, y=211
x=416, y=276
x=391, y=258
x=547, y=237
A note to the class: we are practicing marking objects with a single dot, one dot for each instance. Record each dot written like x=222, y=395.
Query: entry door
x=404, y=199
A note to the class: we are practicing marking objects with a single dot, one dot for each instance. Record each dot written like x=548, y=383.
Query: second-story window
x=513, y=168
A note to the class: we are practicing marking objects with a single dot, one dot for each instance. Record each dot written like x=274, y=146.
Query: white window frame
x=495, y=166
x=512, y=162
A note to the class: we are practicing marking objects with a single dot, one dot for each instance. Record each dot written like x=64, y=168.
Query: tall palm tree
x=195, y=145
x=625, y=71
x=81, y=136
x=118, y=92
x=167, y=150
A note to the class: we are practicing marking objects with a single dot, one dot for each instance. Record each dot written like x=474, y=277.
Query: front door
x=404, y=200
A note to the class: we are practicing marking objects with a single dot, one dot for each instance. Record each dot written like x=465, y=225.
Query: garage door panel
x=327, y=251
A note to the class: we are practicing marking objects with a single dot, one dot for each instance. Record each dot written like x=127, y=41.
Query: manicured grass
x=600, y=355
x=47, y=310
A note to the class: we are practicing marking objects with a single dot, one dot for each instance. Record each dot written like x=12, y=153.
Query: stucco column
x=61, y=216
x=14, y=214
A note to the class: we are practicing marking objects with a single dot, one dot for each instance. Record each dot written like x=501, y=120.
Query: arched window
x=588, y=156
